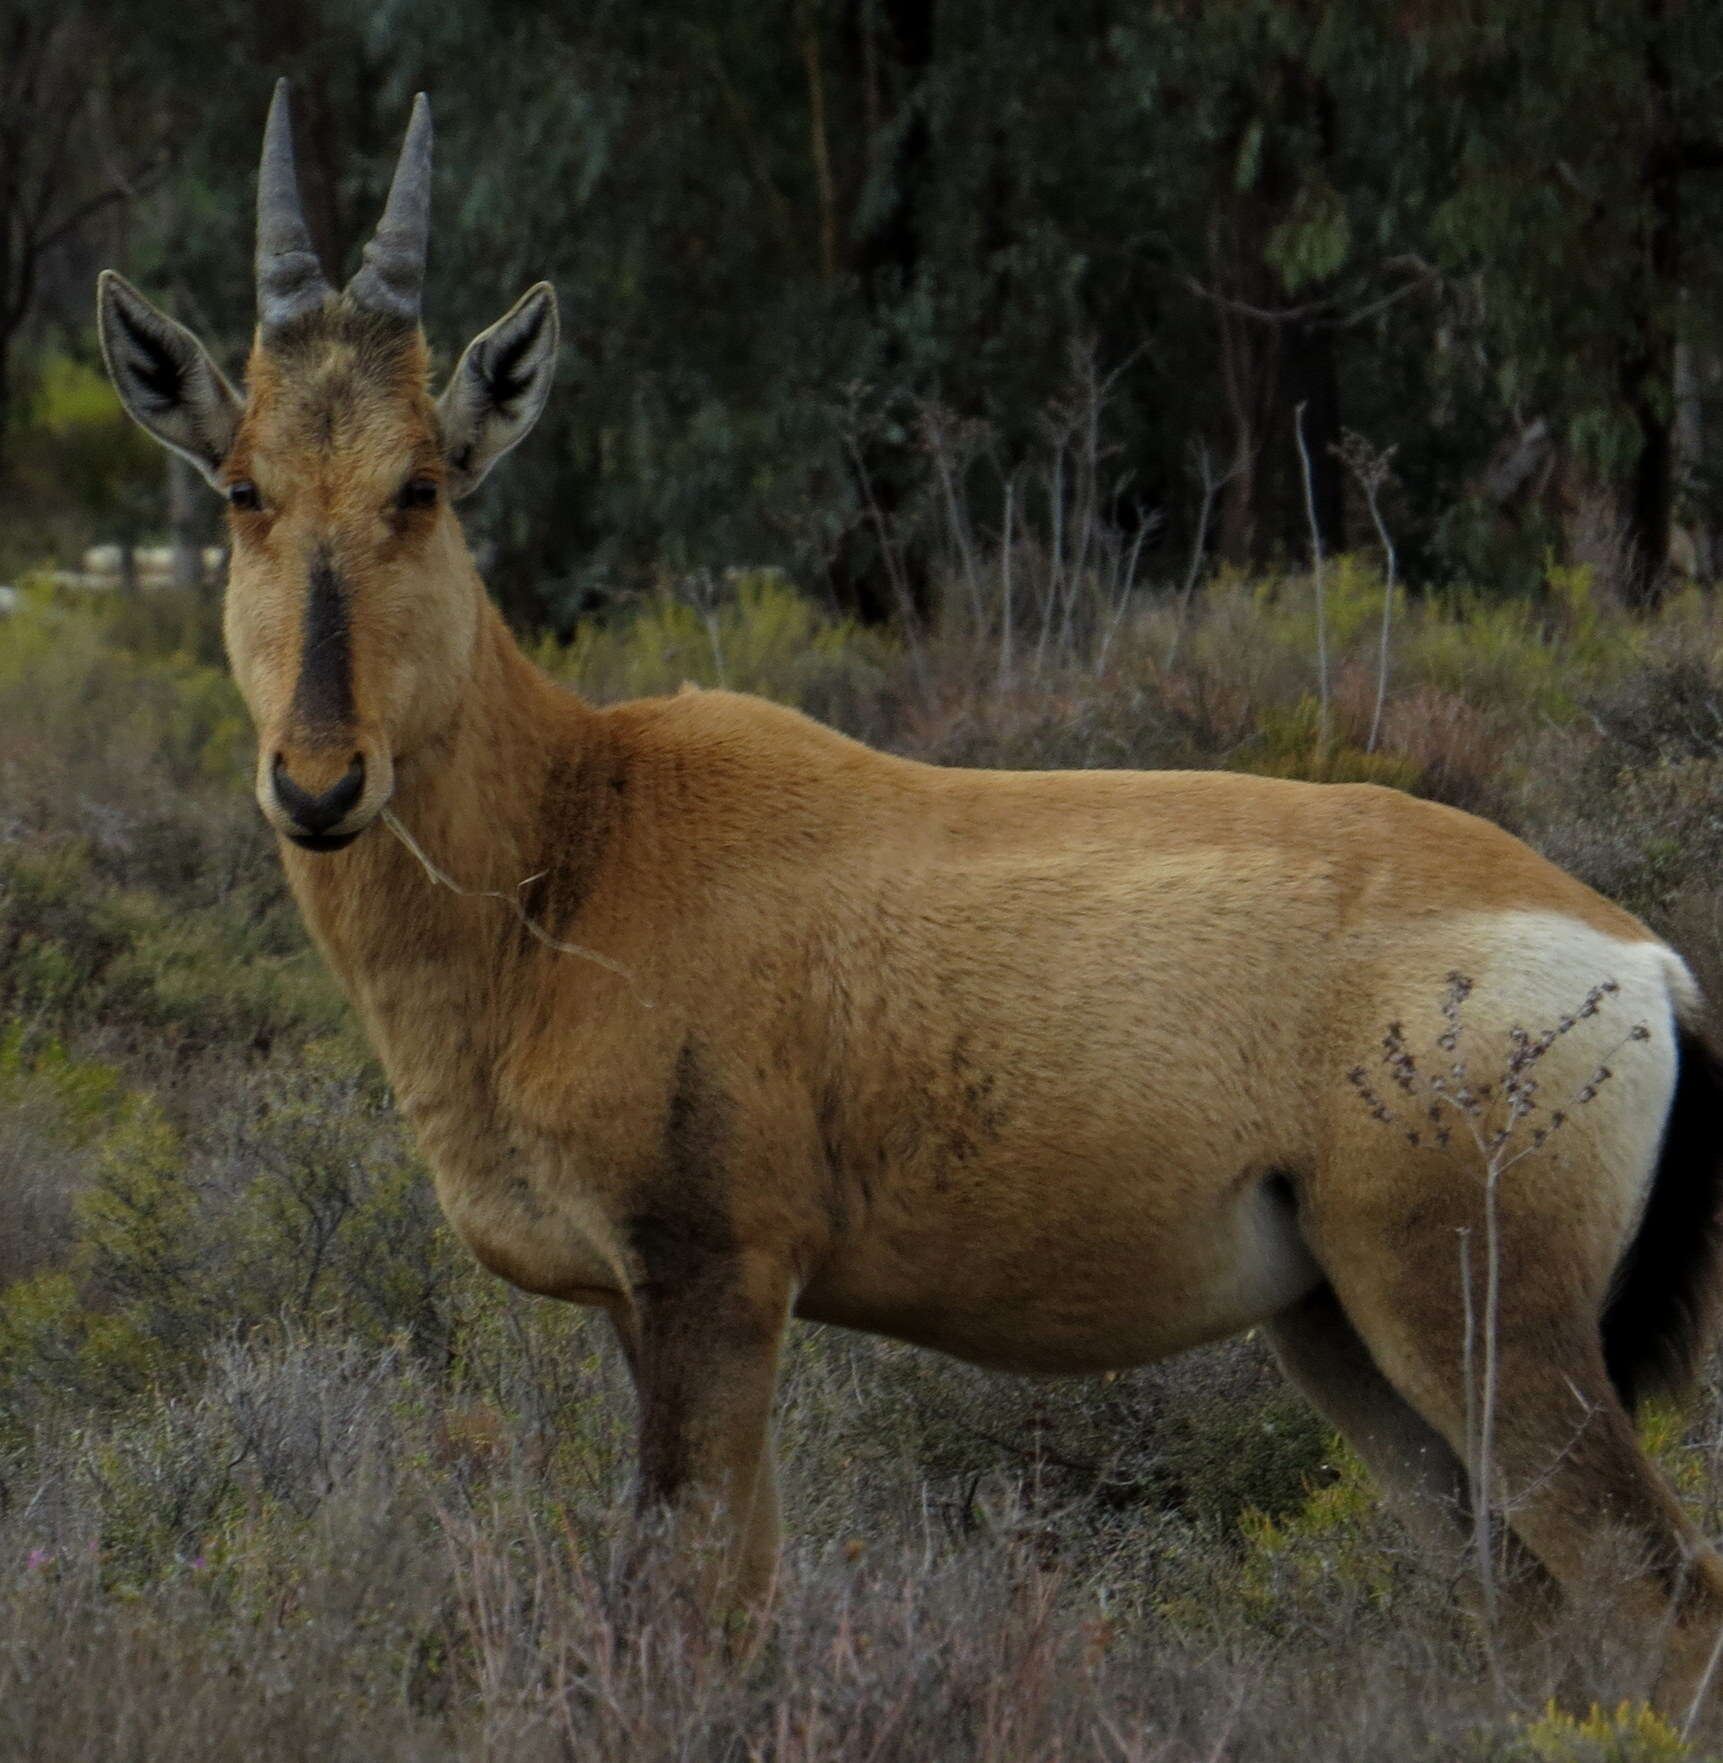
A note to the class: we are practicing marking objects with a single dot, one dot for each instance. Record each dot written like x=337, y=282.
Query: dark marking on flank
x=578, y=812
x=1283, y=1188
x=962, y=1115
x=323, y=695
x=829, y=1124
x=522, y=1195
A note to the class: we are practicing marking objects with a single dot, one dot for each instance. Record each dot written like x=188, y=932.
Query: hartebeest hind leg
x=1416, y=1469
x=1566, y=1469
x=703, y=1351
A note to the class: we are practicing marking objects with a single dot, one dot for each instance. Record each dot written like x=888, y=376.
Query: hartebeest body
x=1051, y=1071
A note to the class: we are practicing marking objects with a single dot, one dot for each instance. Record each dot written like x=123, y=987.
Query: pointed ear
x=164, y=376
x=498, y=387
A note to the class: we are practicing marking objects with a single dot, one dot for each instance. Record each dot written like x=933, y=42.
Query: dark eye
x=243, y=495
x=418, y=492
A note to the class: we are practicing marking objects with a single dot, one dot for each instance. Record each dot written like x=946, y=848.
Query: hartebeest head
x=351, y=605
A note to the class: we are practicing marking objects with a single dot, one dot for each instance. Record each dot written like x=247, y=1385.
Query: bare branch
x=1316, y=569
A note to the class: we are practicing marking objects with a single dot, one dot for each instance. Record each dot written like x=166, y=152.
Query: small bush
x=753, y=633
x=1631, y=1734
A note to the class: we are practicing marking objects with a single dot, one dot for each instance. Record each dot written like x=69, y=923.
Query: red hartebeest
x=1048, y=1071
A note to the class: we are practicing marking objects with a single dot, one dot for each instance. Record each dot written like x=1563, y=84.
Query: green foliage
x=789, y=239
x=1544, y=655
x=1323, y=1543
x=156, y=904
x=1257, y=1465
x=78, y=945
x=75, y=453
x=1633, y=1733
x=757, y=635
x=64, y=1357
x=85, y=1094
x=1312, y=245
x=329, y=1223
x=1335, y=1533
x=88, y=676
x=72, y=395
x=1289, y=744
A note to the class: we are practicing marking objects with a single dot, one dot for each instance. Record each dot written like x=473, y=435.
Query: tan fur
x=1049, y=1071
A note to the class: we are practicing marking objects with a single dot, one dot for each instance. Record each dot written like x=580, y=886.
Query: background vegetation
x=826, y=264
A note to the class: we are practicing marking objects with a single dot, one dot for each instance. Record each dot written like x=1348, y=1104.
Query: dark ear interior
x=165, y=377
x=499, y=386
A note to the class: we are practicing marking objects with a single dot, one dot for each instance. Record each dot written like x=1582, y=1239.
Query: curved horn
x=393, y=271
x=289, y=277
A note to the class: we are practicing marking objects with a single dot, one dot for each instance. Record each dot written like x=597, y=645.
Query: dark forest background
x=825, y=263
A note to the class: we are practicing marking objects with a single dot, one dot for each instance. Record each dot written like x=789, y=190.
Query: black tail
x=1661, y=1317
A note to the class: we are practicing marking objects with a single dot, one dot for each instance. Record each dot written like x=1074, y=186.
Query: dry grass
x=321, y=1552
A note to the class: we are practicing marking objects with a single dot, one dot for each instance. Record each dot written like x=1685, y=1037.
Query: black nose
x=317, y=814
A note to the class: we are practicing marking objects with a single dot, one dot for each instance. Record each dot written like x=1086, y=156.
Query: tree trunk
x=1270, y=364
x=878, y=576
x=1249, y=366
x=184, y=506
x=1696, y=374
x=290, y=33
x=1308, y=376
x=5, y=402
x=1648, y=372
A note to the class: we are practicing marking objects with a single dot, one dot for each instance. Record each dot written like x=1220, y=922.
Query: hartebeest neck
x=496, y=798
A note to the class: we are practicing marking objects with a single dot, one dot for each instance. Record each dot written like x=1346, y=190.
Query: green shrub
x=1333, y=1535
x=1289, y=743
x=755, y=634
x=1633, y=1733
x=81, y=948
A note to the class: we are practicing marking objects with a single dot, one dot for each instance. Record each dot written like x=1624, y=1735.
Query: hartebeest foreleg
x=703, y=1352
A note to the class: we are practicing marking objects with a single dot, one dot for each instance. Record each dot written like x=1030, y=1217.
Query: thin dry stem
x=1211, y=487
x=1316, y=570
x=1371, y=469
x=441, y=878
x=1703, y=1690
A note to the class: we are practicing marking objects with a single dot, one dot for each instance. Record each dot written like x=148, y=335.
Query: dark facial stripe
x=323, y=697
